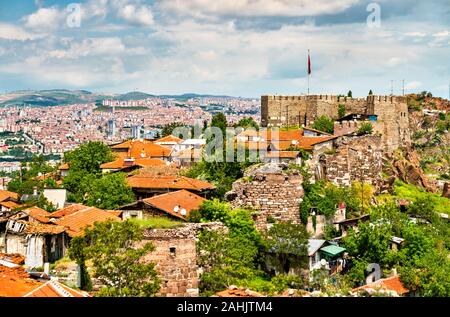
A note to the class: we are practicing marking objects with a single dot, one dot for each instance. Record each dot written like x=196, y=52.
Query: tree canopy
x=117, y=259
x=324, y=123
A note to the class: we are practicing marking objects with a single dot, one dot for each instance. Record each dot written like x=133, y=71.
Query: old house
x=177, y=205
x=39, y=243
x=145, y=185
x=314, y=245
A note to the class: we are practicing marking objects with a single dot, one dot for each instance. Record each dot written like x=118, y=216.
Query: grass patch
x=411, y=192
x=157, y=223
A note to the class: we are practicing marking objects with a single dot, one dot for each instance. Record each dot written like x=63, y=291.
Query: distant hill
x=53, y=97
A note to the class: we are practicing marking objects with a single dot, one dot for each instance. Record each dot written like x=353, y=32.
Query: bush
x=365, y=128
x=324, y=123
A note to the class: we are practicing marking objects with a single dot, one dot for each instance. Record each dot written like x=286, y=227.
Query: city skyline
x=248, y=49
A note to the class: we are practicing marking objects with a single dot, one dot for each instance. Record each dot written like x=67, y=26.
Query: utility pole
x=403, y=87
x=392, y=87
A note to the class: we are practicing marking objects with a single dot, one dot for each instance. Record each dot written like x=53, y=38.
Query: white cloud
x=416, y=34
x=12, y=32
x=441, y=34
x=133, y=13
x=44, y=19
x=100, y=46
x=203, y=8
x=413, y=85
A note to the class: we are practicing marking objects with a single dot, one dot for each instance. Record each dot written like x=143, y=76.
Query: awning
x=332, y=250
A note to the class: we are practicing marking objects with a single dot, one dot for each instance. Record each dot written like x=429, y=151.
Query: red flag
x=309, y=64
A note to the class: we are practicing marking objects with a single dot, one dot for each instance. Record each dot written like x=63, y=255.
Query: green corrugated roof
x=332, y=250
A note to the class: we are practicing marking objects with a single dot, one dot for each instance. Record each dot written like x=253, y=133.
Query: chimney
x=35, y=191
x=47, y=268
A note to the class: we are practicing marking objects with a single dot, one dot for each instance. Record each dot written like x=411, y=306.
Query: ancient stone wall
x=175, y=257
x=392, y=113
x=271, y=192
x=356, y=158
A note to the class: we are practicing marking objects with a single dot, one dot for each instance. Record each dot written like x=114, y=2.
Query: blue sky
x=235, y=47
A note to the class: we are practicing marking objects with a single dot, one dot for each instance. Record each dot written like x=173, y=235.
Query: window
x=172, y=251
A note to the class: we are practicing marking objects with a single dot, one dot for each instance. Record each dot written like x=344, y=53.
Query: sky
x=242, y=48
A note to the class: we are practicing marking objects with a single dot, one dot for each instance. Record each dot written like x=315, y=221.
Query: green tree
x=219, y=121
x=365, y=128
x=288, y=243
x=370, y=92
x=371, y=243
x=324, y=123
x=247, y=123
x=77, y=253
x=349, y=94
x=88, y=157
x=168, y=128
x=429, y=275
x=117, y=259
x=110, y=192
x=341, y=111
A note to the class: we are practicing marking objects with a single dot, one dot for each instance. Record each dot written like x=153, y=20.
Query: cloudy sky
x=235, y=47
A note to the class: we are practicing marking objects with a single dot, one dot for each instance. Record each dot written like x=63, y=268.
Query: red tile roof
x=5, y=194
x=38, y=214
x=16, y=282
x=67, y=210
x=143, y=149
x=144, y=162
x=10, y=204
x=392, y=283
x=168, y=182
x=179, y=200
x=169, y=139
x=77, y=221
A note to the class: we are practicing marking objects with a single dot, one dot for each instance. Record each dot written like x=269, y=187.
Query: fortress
x=389, y=113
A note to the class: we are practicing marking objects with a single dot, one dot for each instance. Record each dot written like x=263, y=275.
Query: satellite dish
x=183, y=212
x=323, y=262
x=176, y=208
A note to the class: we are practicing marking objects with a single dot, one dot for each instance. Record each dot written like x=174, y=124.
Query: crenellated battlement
x=335, y=98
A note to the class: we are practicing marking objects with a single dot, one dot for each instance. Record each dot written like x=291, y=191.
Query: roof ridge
x=59, y=289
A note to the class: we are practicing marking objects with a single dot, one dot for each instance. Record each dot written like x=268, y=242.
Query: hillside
x=53, y=97
x=430, y=130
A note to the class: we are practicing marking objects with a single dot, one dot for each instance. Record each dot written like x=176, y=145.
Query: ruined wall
x=392, y=112
x=175, y=257
x=354, y=158
x=271, y=192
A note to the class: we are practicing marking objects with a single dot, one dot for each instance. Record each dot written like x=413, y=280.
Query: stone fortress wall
x=272, y=193
x=392, y=113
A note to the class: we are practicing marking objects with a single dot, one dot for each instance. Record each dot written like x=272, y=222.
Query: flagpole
x=309, y=73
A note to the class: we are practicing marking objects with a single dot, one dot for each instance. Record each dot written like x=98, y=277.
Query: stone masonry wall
x=392, y=113
x=355, y=158
x=271, y=192
x=175, y=258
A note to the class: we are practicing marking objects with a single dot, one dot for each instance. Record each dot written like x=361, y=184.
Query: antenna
x=392, y=87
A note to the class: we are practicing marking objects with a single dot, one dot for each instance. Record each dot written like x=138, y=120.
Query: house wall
x=31, y=247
